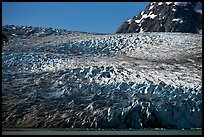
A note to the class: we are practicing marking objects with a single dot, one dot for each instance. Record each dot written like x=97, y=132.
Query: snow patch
x=129, y=21
x=181, y=3
x=173, y=9
x=199, y=31
x=160, y=3
x=168, y=3
x=152, y=3
x=152, y=16
x=144, y=16
x=151, y=7
x=137, y=21
x=141, y=30
x=178, y=20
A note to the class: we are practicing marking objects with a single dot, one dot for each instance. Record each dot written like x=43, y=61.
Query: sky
x=99, y=17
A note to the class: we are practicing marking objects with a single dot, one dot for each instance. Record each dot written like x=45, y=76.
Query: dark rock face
x=166, y=17
x=4, y=39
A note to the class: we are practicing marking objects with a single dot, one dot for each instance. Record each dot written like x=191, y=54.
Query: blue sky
x=100, y=17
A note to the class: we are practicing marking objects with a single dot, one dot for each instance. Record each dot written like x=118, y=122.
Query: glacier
x=62, y=79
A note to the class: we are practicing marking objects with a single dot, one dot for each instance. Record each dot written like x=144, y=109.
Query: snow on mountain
x=181, y=3
x=160, y=17
x=66, y=79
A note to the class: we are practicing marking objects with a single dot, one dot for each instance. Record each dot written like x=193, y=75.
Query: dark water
x=124, y=132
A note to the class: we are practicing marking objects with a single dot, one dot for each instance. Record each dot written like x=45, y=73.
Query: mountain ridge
x=166, y=17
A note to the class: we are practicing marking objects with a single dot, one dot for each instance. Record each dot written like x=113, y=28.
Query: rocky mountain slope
x=67, y=79
x=166, y=17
